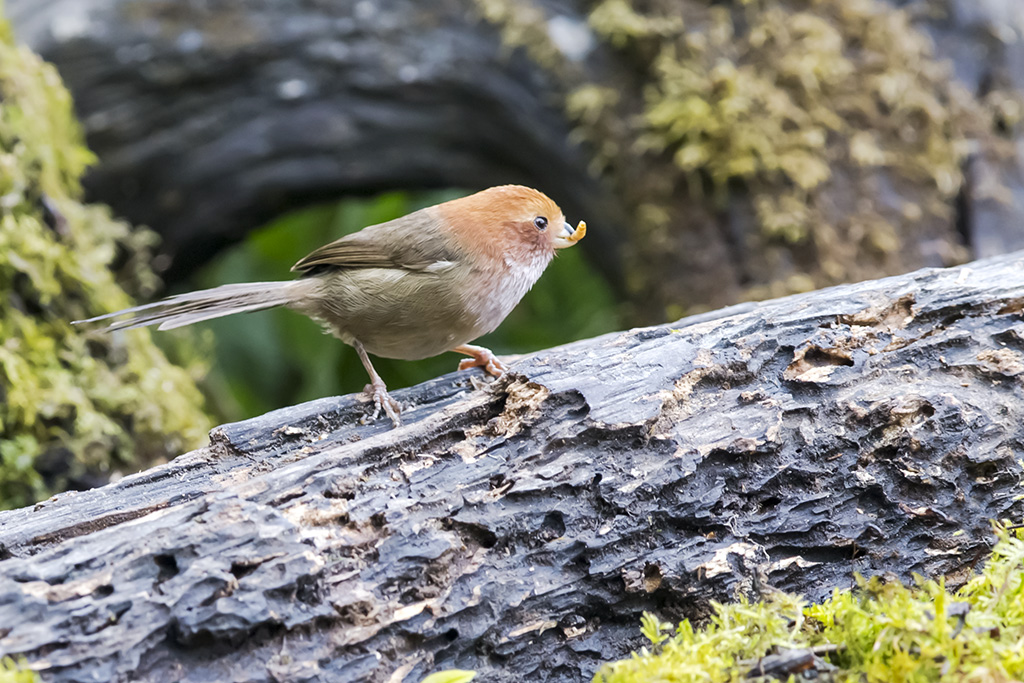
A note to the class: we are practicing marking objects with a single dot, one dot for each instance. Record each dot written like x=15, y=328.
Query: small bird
x=410, y=288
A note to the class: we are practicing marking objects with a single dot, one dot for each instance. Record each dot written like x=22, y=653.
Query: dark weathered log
x=520, y=530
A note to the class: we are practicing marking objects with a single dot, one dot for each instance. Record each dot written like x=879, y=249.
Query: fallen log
x=521, y=529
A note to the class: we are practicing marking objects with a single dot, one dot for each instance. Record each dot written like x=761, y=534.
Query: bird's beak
x=569, y=236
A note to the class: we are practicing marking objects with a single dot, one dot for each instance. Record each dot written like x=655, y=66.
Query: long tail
x=185, y=309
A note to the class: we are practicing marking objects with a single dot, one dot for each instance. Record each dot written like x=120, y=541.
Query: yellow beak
x=568, y=236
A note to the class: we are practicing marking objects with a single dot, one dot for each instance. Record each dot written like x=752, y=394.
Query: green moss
x=882, y=631
x=831, y=118
x=829, y=121
x=523, y=25
x=75, y=407
x=450, y=676
x=15, y=672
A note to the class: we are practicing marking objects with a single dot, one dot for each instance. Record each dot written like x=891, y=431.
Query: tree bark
x=520, y=529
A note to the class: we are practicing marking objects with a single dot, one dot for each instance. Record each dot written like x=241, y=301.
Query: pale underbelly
x=403, y=316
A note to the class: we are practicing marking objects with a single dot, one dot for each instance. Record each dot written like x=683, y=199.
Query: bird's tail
x=193, y=307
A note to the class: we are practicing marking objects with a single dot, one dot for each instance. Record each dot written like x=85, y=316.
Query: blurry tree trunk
x=521, y=530
x=209, y=118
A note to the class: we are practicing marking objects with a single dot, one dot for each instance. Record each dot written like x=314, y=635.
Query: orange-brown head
x=508, y=222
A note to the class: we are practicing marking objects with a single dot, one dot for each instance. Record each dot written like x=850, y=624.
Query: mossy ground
x=75, y=407
x=882, y=631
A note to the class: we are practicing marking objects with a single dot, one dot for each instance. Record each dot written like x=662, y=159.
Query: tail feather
x=206, y=304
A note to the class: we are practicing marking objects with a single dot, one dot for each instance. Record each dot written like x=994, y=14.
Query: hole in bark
x=487, y=538
x=553, y=526
x=1012, y=307
x=472, y=533
x=104, y=590
x=823, y=554
x=572, y=621
x=484, y=536
x=816, y=357
x=986, y=473
x=359, y=613
x=652, y=578
x=340, y=488
x=242, y=569
x=451, y=635
x=307, y=590
x=168, y=566
x=287, y=496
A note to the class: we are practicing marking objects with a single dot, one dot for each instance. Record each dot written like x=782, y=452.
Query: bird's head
x=510, y=222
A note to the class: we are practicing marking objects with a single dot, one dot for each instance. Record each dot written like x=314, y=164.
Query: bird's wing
x=413, y=242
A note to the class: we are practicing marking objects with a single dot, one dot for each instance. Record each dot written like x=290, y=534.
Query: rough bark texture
x=519, y=530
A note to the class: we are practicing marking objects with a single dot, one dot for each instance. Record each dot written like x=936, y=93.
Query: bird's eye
x=541, y=222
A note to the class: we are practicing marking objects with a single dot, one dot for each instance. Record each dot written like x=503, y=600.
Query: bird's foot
x=378, y=393
x=481, y=358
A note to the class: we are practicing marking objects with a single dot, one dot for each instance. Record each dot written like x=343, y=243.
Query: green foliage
x=16, y=672
x=885, y=632
x=74, y=406
x=295, y=361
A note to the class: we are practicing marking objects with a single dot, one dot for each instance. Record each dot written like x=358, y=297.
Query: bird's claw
x=488, y=361
x=378, y=393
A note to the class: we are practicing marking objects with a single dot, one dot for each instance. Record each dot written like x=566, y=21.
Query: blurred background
x=719, y=152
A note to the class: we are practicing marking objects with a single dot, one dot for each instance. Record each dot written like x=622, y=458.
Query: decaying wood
x=521, y=529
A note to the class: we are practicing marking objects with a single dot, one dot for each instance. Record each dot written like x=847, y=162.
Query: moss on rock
x=74, y=407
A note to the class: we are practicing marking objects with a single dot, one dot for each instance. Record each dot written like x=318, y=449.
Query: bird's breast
x=496, y=291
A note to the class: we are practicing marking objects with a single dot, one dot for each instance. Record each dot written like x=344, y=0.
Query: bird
x=410, y=288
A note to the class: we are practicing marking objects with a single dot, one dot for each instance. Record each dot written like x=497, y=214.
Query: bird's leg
x=481, y=358
x=377, y=390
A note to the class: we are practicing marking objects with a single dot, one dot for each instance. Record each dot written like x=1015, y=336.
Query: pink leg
x=377, y=391
x=481, y=358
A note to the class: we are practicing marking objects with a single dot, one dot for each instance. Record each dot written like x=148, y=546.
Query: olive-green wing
x=413, y=242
